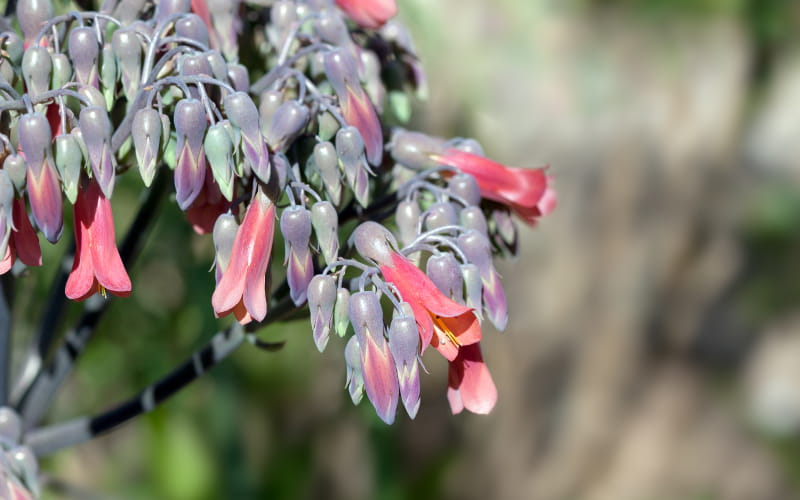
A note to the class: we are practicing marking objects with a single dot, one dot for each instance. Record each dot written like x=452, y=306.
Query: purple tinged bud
x=281, y=167
x=372, y=78
x=195, y=64
x=472, y=286
x=43, y=187
x=331, y=28
x=296, y=229
x=350, y=149
x=224, y=234
x=378, y=367
x=414, y=149
x=355, y=376
x=283, y=13
x=404, y=346
x=445, y=273
x=407, y=219
x=342, y=71
x=32, y=15
x=96, y=130
x=167, y=8
x=14, y=165
x=326, y=226
x=321, y=301
x=218, y=146
x=69, y=162
x=325, y=161
x=190, y=164
x=146, y=132
x=268, y=105
x=373, y=241
x=62, y=70
x=505, y=228
x=465, y=186
x=14, y=46
x=218, y=65
x=439, y=215
x=36, y=69
x=84, y=51
x=341, y=312
x=192, y=27
x=473, y=218
x=34, y=139
x=289, y=120
x=476, y=248
x=227, y=24
x=239, y=77
x=128, y=11
x=94, y=96
x=242, y=113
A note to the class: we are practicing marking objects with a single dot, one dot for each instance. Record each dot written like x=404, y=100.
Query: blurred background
x=653, y=350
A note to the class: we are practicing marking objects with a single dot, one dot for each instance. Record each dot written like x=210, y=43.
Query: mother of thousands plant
x=263, y=115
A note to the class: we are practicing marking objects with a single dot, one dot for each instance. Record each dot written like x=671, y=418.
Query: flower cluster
x=162, y=90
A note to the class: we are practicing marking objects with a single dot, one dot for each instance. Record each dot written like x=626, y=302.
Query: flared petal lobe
x=470, y=385
x=370, y=14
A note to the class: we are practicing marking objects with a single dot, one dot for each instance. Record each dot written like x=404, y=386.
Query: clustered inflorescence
x=267, y=113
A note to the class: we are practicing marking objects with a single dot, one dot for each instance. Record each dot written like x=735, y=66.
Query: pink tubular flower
x=97, y=266
x=22, y=243
x=524, y=190
x=469, y=383
x=241, y=289
x=370, y=14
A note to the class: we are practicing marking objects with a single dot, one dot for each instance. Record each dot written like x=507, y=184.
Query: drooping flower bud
x=341, y=312
x=378, y=367
x=219, y=151
x=373, y=241
x=289, y=120
x=268, y=105
x=350, y=149
x=445, y=273
x=473, y=287
x=296, y=230
x=239, y=77
x=505, y=231
x=192, y=27
x=224, y=14
x=414, y=149
x=439, y=215
x=325, y=161
x=355, y=376
x=218, y=65
x=404, y=346
x=96, y=128
x=473, y=218
x=321, y=301
x=372, y=78
x=37, y=67
x=69, y=162
x=6, y=212
x=62, y=70
x=326, y=227
x=224, y=234
x=168, y=8
x=84, y=51
x=146, y=132
x=14, y=165
x=407, y=219
x=32, y=16
x=476, y=247
x=195, y=64
x=331, y=28
x=190, y=164
x=466, y=187
x=242, y=113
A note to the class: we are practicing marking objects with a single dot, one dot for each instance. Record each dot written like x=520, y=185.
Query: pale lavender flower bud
x=96, y=129
x=227, y=23
x=296, y=229
x=505, y=230
x=62, y=70
x=36, y=69
x=146, y=132
x=34, y=138
x=242, y=113
x=445, y=273
x=14, y=165
x=439, y=215
x=195, y=64
x=69, y=162
x=373, y=241
x=331, y=28
x=350, y=149
x=407, y=219
x=43, y=187
x=404, y=346
x=326, y=227
x=84, y=51
x=289, y=120
x=128, y=11
x=473, y=218
x=218, y=147
x=218, y=65
x=341, y=312
x=414, y=150
x=167, y=8
x=268, y=105
x=355, y=375
x=283, y=13
x=325, y=161
x=224, y=234
x=281, y=167
x=372, y=78
x=378, y=367
x=239, y=77
x=321, y=301
x=32, y=16
x=473, y=287
x=192, y=27
x=476, y=247
x=93, y=95
x=190, y=164
x=465, y=186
